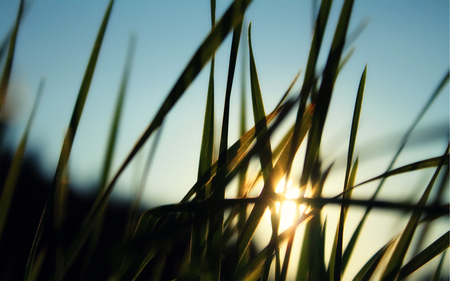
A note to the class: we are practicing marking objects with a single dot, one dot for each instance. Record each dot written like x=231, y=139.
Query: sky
x=405, y=46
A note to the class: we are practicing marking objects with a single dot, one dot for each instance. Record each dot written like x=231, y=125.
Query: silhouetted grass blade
x=16, y=164
x=433, y=250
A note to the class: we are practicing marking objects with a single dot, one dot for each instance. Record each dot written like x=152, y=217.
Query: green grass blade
x=412, y=167
x=324, y=96
x=393, y=267
x=312, y=253
x=69, y=137
x=366, y=272
x=433, y=250
x=110, y=148
x=437, y=273
x=265, y=154
x=340, y=265
x=335, y=268
x=423, y=164
x=232, y=17
x=4, y=82
x=14, y=170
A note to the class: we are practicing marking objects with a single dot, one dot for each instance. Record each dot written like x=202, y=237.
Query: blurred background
x=404, y=43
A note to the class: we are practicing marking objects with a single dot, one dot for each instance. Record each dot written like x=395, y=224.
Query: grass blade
x=69, y=137
x=324, y=96
x=14, y=170
x=110, y=148
x=232, y=17
x=412, y=167
x=371, y=265
x=340, y=265
x=436, y=248
x=437, y=273
x=4, y=82
x=393, y=267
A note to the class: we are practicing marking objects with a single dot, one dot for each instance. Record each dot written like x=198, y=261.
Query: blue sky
x=405, y=45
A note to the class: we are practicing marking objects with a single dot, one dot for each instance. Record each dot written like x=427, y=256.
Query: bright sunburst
x=288, y=209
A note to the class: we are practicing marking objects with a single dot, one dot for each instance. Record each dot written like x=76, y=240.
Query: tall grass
x=218, y=231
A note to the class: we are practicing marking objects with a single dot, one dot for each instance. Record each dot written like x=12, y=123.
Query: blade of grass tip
x=200, y=233
x=405, y=138
x=16, y=164
x=324, y=96
x=393, y=267
x=265, y=154
x=4, y=82
x=433, y=250
x=69, y=137
x=309, y=80
x=258, y=210
x=230, y=19
x=107, y=162
x=226, y=110
x=243, y=130
x=437, y=273
x=337, y=263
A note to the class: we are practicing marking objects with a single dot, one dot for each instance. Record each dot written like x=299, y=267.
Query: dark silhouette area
x=29, y=199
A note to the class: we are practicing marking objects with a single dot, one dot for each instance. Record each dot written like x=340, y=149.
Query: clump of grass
x=220, y=230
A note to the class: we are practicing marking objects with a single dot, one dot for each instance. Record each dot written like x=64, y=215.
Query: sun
x=287, y=209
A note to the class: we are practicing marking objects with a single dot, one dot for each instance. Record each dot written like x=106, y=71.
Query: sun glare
x=287, y=209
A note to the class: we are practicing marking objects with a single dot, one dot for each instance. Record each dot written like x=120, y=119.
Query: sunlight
x=288, y=209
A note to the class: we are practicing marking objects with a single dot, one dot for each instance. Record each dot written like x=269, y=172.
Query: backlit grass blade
x=423, y=164
x=372, y=264
x=265, y=154
x=413, y=167
x=70, y=134
x=16, y=164
x=309, y=80
x=393, y=267
x=324, y=96
x=433, y=250
x=312, y=253
x=278, y=172
x=336, y=262
x=4, y=82
x=232, y=17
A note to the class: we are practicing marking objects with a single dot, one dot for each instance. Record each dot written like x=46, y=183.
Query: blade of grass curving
x=433, y=250
x=230, y=19
x=336, y=262
x=110, y=148
x=393, y=267
x=366, y=272
x=423, y=164
x=4, y=82
x=69, y=137
x=405, y=138
x=325, y=91
x=437, y=273
x=16, y=164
